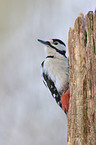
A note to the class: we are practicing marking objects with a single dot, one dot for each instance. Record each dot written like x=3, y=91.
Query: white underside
x=57, y=69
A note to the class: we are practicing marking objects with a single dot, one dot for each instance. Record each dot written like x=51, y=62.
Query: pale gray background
x=28, y=113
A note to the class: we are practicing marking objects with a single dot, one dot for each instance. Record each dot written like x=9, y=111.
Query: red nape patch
x=65, y=100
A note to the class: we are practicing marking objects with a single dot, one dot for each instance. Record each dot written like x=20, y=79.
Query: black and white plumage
x=55, y=69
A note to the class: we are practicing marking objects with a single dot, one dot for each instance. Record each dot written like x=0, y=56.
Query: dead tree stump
x=82, y=81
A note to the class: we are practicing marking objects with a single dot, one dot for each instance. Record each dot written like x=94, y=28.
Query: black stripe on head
x=58, y=40
x=62, y=52
x=50, y=56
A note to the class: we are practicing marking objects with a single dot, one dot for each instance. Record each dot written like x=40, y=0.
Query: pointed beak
x=43, y=42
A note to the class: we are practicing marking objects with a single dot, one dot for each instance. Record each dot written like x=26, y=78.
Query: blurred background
x=28, y=113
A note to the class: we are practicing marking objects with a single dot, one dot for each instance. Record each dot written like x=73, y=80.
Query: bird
x=55, y=71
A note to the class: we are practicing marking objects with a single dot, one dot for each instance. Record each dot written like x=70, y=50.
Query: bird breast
x=57, y=69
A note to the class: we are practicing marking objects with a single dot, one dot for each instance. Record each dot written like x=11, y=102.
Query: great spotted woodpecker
x=55, y=71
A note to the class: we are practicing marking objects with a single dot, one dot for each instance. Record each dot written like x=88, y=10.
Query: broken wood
x=82, y=81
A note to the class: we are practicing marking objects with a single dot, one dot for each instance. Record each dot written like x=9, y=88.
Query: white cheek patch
x=61, y=47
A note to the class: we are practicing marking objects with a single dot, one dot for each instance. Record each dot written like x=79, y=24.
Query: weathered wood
x=82, y=80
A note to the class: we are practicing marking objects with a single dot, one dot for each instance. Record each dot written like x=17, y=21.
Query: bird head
x=54, y=46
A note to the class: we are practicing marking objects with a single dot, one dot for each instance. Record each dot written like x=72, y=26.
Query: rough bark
x=82, y=80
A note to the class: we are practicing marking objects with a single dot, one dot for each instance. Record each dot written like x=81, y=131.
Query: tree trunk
x=82, y=81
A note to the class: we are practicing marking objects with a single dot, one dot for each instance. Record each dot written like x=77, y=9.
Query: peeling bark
x=82, y=81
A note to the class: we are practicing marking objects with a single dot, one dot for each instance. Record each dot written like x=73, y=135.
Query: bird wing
x=50, y=84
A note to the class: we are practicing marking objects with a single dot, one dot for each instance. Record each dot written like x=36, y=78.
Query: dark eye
x=55, y=43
